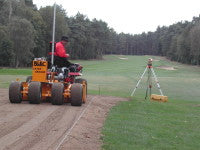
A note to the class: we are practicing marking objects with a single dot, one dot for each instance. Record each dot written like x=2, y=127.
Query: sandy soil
x=156, y=60
x=166, y=68
x=123, y=58
x=40, y=127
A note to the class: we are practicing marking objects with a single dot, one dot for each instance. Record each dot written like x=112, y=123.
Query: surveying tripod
x=149, y=79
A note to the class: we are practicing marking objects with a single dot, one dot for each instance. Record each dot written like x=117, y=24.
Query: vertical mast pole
x=53, y=35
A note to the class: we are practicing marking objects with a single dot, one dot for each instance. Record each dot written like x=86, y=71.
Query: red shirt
x=60, y=50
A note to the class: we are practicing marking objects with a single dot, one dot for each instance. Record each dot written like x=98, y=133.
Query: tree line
x=25, y=33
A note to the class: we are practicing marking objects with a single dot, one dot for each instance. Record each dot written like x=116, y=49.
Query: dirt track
x=39, y=127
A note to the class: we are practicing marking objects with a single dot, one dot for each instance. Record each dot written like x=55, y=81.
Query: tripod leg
x=146, y=92
x=139, y=82
x=148, y=83
x=157, y=82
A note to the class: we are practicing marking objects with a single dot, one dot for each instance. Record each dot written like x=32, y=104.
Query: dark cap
x=64, y=38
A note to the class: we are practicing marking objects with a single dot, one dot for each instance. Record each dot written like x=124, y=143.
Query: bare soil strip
x=87, y=133
x=41, y=127
x=166, y=68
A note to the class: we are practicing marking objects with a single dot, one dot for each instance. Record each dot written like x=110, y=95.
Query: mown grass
x=145, y=125
x=11, y=71
x=118, y=77
x=139, y=123
x=7, y=75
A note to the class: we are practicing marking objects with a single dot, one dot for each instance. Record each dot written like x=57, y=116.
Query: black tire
x=15, y=95
x=28, y=79
x=76, y=94
x=80, y=80
x=57, y=97
x=35, y=92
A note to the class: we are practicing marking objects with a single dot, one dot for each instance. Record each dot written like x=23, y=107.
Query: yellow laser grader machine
x=56, y=84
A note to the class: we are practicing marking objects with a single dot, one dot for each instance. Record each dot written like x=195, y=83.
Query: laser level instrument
x=150, y=70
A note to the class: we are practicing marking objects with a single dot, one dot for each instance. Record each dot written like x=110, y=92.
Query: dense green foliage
x=25, y=33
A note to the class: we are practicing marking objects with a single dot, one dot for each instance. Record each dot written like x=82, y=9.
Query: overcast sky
x=131, y=16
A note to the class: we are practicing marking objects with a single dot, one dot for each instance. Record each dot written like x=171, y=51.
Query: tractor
x=57, y=85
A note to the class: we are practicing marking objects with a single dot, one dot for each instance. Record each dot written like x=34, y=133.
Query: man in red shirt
x=60, y=54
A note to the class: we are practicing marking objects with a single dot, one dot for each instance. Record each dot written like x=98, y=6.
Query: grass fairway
x=141, y=124
x=8, y=75
x=145, y=125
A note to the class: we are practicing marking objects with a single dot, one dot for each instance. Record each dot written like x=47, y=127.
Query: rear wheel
x=76, y=94
x=35, y=92
x=28, y=79
x=84, y=83
x=57, y=97
x=80, y=80
x=15, y=95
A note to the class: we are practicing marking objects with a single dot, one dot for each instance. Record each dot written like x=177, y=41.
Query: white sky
x=131, y=16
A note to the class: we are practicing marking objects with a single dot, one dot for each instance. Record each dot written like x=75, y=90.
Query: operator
x=60, y=54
